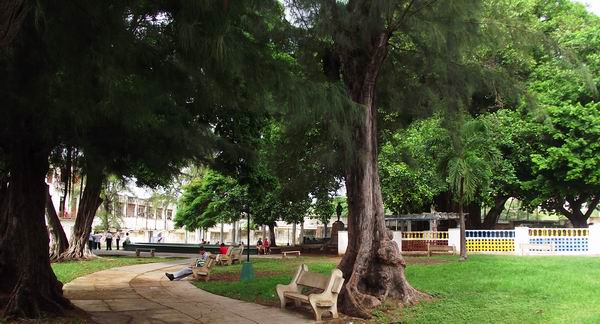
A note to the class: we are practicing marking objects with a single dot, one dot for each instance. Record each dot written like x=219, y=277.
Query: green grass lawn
x=486, y=288
x=67, y=271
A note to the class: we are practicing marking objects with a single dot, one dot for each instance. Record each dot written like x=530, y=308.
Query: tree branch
x=591, y=206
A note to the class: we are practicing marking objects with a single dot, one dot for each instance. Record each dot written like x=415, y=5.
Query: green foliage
x=573, y=154
x=469, y=163
x=408, y=169
x=209, y=200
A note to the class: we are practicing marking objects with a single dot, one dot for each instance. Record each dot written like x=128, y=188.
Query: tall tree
x=362, y=37
x=469, y=169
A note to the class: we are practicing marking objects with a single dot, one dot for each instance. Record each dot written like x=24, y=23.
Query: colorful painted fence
x=564, y=240
x=490, y=240
x=417, y=241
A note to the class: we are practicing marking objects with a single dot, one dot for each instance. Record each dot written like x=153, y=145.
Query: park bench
x=323, y=301
x=439, y=248
x=232, y=256
x=139, y=250
x=203, y=272
x=284, y=254
x=536, y=247
x=311, y=247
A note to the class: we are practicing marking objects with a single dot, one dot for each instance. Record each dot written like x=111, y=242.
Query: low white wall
x=342, y=242
x=594, y=239
x=454, y=238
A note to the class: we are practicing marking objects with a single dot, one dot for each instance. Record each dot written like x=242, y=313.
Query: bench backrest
x=331, y=283
x=211, y=260
x=314, y=280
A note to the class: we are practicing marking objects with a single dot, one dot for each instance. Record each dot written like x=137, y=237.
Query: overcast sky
x=593, y=5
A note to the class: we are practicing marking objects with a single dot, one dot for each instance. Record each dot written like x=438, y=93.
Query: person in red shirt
x=223, y=249
x=266, y=246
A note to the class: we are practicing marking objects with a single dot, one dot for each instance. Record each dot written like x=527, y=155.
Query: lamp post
x=247, y=271
x=247, y=210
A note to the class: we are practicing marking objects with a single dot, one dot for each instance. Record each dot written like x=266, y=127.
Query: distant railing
x=559, y=232
x=417, y=241
x=426, y=235
x=490, y=240
x=565, y=240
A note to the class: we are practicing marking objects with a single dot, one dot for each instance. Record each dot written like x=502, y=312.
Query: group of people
x=263, y=247
x=96, y=239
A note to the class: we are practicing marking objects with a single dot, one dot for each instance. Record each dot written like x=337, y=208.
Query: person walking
x=109, y=238
x=91, y=241
x=117, y=238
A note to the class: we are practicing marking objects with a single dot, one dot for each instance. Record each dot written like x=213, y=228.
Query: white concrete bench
x=284, y=254
x=439, y=248
x=526, y=248
x=325, y=301
x=139, y=250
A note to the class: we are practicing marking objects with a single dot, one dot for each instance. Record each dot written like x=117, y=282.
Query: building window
x=159, y=213
x=169, y=214
x=119, y=211
x=150, y=212
x=141, y=211
x=130, y=210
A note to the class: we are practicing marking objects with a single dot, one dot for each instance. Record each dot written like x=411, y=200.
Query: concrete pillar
x=398, y=239
x=454, y=238
x=594, y=240
x=222, y=228
x=342, y=242
x=409, y=226
x=521, y=237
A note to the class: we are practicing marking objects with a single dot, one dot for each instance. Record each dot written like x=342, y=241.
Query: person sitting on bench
x=259, y=246
x=188, y=270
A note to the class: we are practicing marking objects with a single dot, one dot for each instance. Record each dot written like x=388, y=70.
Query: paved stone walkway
x=142, y=294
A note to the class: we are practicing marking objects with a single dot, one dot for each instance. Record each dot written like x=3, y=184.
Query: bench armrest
x=291, y=287
x=334, y=286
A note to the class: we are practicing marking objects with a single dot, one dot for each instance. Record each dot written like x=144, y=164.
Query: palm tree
x=469, y=168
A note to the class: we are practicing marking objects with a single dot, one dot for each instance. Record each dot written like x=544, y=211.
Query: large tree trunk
x=27, y=277
x=272, y=234
x=373, y=267
x=59, y=242
x=493, y=215
x=12, y=14
x=90, y=201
